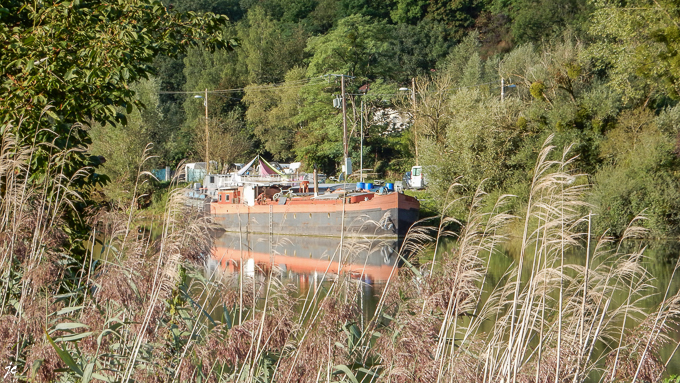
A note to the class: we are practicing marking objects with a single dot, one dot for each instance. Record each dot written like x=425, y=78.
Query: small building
x=195, y=171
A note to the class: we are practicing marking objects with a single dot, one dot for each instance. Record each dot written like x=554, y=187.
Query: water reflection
x=306, y=258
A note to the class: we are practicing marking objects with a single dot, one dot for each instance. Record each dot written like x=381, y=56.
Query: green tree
x=639, y=173
x=323, y=17
x=358, y=46
x=204, y=69
x=230, y=8
x=464, y=64
x=269, y=48
x=65, y=64
x=228, y=140
x=295, y=11
x=261, y=51
x=170, y=71
x=386, y=143
x=458, y=15
x=418, y=48
x=319, y=136
x=537, y=20
x=123, y=146
x=272, y=113
x=378, y=9
x=637, y=43
x=409, y=11
x=480, y=140
x=212, y=70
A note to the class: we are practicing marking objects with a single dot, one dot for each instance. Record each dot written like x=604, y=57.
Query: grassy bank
x=428, y=206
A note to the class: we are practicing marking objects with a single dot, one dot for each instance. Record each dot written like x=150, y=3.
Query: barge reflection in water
x=372, y=261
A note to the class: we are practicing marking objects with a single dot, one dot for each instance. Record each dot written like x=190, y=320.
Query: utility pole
x=361, y=118
x=415, y=128
x=345, y=139
x=207, y=138
x=342, y=103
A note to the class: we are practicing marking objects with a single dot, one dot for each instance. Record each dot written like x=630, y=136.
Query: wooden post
x=361, y=161
x=415, y=128
x=207, y=136
x=344, y=118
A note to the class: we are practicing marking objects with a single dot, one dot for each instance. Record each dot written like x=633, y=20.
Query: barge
x=270, y=202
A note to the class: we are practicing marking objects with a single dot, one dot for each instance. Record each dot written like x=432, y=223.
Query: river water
x=311, y=262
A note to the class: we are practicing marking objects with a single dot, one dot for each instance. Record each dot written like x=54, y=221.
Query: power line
x=642, y=8
x=275, y=86
x=308, y=82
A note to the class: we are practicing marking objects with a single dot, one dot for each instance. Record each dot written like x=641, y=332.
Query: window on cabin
x=226, y=198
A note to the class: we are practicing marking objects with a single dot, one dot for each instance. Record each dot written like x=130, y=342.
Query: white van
x=415, y=179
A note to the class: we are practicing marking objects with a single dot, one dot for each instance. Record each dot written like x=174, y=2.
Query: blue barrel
x=369, y=186
x=390, y=186
x=361, y=186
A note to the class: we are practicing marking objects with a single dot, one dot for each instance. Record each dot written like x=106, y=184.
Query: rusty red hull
x=364, y=215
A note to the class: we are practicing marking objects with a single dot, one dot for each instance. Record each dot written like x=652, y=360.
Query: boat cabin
x=248, y=194
x=263, y=194
x=229, y=196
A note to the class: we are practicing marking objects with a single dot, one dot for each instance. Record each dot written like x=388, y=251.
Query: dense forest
x=599, y=75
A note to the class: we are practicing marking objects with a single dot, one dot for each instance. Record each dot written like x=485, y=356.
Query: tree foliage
x=319, y=139
x=268, y=50
x=65, y=64
x=123, y=147
x=358, y=46
x=638, y=45
x=228, y=140
x=272, y=114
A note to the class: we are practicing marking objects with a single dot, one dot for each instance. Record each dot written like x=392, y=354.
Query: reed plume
x=143, y=305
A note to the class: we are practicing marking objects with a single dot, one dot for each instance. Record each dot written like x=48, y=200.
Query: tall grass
x=140, y=308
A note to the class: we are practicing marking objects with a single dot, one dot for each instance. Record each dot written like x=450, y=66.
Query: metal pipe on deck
x=316, y=182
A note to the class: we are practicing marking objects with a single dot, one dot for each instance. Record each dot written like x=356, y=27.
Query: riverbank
x=141, y=306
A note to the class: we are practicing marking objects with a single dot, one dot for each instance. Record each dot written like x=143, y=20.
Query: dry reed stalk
x=522, y=305
x=549, y=314
x=32, y=262
x=29, y=236
x=569, y=325
x=172, y=245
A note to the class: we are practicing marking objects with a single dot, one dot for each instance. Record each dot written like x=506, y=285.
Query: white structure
x=393, y=121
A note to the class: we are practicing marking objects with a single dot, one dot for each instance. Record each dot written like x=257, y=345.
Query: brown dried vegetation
x=142, y=306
